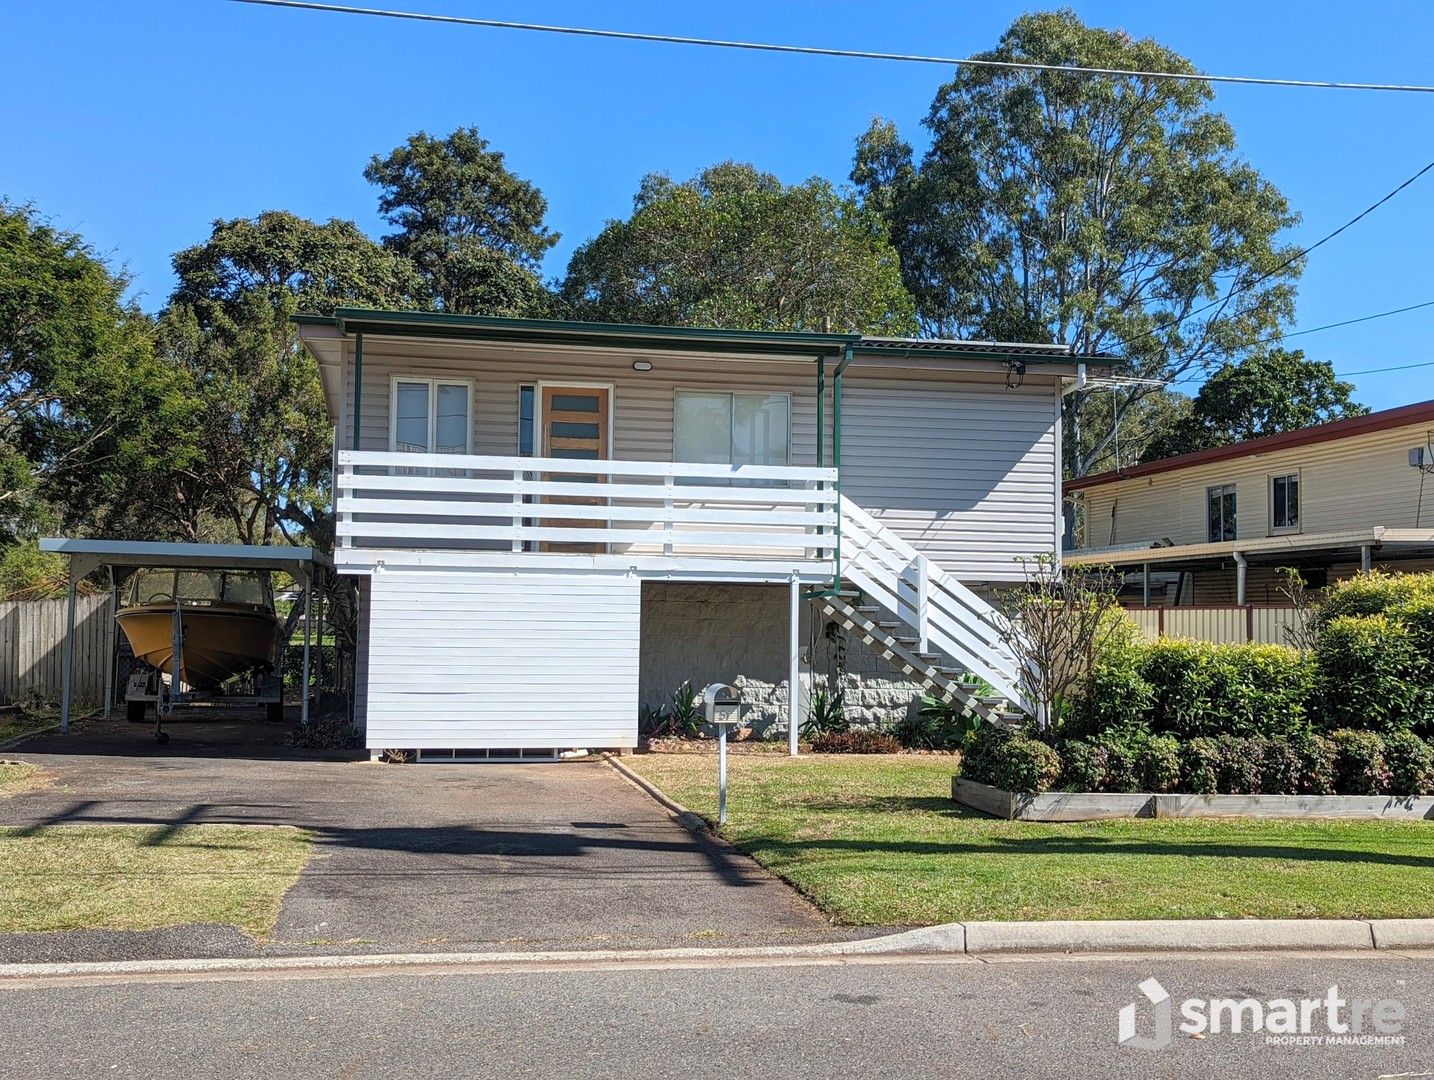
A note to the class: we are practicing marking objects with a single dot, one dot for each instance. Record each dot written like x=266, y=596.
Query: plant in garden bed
x=857, y=741
x=1009, y=760
x=826, y=713
x=937, y=725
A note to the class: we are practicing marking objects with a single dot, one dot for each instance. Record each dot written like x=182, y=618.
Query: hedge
x=1346, y=763
x=1194, y=688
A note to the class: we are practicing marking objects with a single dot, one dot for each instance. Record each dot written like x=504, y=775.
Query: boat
x=229, y=624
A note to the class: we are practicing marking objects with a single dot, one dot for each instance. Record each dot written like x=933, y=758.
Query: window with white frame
x=732, y=429
x=431, y=416
x=1220, y=509
x=1285, y=502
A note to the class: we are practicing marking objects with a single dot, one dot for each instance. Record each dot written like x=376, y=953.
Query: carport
x=86, y=556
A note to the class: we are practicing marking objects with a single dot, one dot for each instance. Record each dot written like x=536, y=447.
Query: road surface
x=868, y=1017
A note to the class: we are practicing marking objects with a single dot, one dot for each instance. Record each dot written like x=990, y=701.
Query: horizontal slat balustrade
x=533, y=507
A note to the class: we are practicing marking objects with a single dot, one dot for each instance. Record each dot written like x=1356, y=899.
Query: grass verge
x=17, y=722
x=17, y=777
x=877, y=840
x=75, y=877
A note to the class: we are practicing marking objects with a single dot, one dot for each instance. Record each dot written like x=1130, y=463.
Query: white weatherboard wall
x=461, y=660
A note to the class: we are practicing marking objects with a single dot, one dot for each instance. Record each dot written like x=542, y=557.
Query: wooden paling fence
x=32, y=649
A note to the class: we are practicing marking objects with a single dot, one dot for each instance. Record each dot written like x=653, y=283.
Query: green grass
x=878, y=841
x=72, y=877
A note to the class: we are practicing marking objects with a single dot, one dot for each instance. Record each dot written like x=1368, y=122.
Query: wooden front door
x=574, y=425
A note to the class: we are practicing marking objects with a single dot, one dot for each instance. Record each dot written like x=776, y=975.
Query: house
x=1215, y=527
x=552, y=524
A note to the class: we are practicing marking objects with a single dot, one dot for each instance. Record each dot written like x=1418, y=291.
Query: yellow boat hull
x=220, y=640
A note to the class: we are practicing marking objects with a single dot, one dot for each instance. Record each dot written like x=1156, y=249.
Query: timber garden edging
x=1095, y=806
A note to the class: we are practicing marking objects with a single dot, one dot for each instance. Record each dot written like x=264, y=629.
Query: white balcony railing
x=527, y=508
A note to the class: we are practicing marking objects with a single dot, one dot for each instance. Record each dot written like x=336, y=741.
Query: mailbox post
x=722, y=708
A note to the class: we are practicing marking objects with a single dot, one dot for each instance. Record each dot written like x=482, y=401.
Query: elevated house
x=1215, y=528
x=553, y=524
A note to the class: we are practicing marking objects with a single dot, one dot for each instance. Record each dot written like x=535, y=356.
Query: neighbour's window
x=1220, y=506
x=431, y=416
x=732, y=429
x=1285, y=501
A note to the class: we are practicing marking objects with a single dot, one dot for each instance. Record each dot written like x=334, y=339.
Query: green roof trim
x=430, y=324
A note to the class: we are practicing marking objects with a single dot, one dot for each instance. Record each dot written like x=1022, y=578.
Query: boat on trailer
x=221, y=623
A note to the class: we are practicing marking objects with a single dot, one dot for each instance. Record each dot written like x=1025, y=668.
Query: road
x=868, y=1017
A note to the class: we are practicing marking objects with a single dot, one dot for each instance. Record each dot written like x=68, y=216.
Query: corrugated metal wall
x=32, y=649
x=461, y=660
x=1222, y=624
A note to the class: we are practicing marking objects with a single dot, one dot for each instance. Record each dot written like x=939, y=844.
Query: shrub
x=826, y=713
x=1200, y=766
x=1206, y=689
x=1009, y=760
x=1122, y=753
x=937, y=726
x=1360, y=768
x=1158, y=764
x=1377, y=593
x=855, y=742
x=1369, y=674
x=1318, y=764
x=1411, y=764
x=1082, y=766
x=1281, y=767
x=1114, y=697
x=1239, y=765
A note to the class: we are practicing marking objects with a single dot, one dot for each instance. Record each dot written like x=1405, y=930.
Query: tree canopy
x=1108, y=213
x=735, y=247
x=471, y=227
x=84, y=403
x=1264, y=394
x=266, y=433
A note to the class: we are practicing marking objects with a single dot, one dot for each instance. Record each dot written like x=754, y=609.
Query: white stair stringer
x=923, y=667
x=943, y=615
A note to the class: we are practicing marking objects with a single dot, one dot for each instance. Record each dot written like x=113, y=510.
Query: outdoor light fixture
x=642, y=365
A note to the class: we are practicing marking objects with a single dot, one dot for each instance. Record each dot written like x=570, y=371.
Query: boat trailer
x=147, y=684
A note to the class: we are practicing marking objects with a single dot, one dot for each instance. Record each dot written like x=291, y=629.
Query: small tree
x=1060, y=623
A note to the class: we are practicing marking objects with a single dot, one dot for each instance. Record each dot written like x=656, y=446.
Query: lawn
x=70, y=877
x=17, y=777
x=15, y=722
x=877, y=840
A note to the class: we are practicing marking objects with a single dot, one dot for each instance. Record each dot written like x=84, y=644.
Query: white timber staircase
x=925, y=622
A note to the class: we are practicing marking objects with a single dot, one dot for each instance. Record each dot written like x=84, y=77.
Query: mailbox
x=721, y=706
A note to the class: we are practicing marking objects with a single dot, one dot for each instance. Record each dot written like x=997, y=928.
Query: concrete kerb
x=974, y=941
x=690, y=821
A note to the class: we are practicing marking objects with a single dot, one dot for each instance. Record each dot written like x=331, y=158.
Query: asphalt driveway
x=416, y=857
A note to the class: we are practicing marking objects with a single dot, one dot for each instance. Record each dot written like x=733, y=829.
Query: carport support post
x=110, y=647
x=304, y=680
x=69, y=653
x=1366, y=559
x=794, y=672
x=1145, y=585
x=1240, y=567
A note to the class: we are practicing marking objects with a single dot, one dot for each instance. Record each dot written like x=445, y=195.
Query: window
x=525, y=420
x=430, y=416
x=1285, y=503
x=1220, y=507
x=732, y=429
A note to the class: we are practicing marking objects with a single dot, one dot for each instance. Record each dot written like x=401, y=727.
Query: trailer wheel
x=134, y=711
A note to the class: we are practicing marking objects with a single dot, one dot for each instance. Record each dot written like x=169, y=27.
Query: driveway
x=417, y=857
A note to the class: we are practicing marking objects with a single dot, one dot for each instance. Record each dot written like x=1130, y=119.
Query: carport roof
x=183, y=556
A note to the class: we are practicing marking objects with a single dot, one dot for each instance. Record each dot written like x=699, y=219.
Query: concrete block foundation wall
x=738, y=634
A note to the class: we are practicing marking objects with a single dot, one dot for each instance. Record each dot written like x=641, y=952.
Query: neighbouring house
x=1212, y=531
x=552, y=523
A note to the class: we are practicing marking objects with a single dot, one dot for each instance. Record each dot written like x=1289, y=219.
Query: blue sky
x=138, y=123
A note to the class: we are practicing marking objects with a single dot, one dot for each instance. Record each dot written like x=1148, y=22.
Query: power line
x=1296, y=257
x=853, y=54
x=1331, y=326
x=1377, y=370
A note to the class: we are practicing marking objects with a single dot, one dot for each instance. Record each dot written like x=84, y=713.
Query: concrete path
x=421, y=857
x=932, y=1017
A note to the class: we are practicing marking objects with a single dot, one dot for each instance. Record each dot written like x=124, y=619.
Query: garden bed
x=1101, y=806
